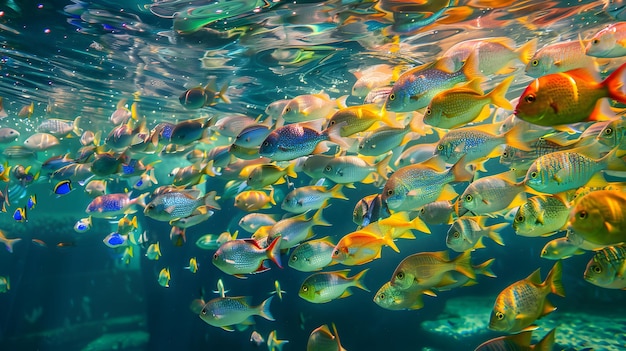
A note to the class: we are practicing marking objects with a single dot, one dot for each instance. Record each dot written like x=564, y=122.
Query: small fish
x=5, y=284
x=26, y=111
x=393, y=298
x=268, y=174
x=559, y=57
x=310, y=197
x=294, y=230
x=519, y=341
x=609, y=42
x=356, y=119
x=225, y=312
x=200, y=97
x=437, y=212
x=598, y=217
x=492, y=195
x=560, y=248
x=63, y=187
x=115, y=240
x=568, y=97
x=361, y=247
x=111, y=205
x=178, y=204
x=427, y=269
x=521, y=303
x=199, y=215
x=252, y=221
x=355, y=169
x=321, y=339
x=83, y=225
x=32, y=201
x=312, y=255
x=213, y=242
x=153, y=252
x=41, y=142
x=606, y=268
x=466, y=233
x=273, y=343
x=369, y=210
x=96, y=187
x=541, y=216
x=189, y=131
x=254, y=200
x=245, y=256
x=277, y=290
x=164, y=277
x=252, y=136
x=126, y=225
x=296, y=140
x=193, y=265
x=4, y=197
x=20, y=214
x=327, y=286
x=220, y=288
x=127, y=255
x=308, y=107
x=8, y=135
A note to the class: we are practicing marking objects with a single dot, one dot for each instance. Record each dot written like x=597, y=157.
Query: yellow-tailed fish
x=321, y=339
x=393, y=298
x=308, y=107
x=312, y=255
x=355, y=119
x=437, y=212
x=176, y=204
x=199, y=215
x=559, y=57
x=385, y=139
x=193, y=265
x=208, y=95
x=111, y=205
x=427, y=269
x=361, y=247
x=294, y=230
x=491, y=195
x=153, y=252
x=164, y=277
x=5, y=284
x=310, y=197
x=263, y=175
x=599, y=218
x=521, y=303
x=213, y=241
x=355, y=169
x=458, y=106
x=273, y=343
x=606, y=268
x=541, y=216
x=126, y=225
x=26, y=111
x=221, y=291
x=83, y=225
x=225, y=312
x=252, y=221
x=277, y=290
x=560, y=248
x=245, y=256
x=608, y=42
x=327, y=286
x=519, y=341
x=568, y=97
x=254, y=200
x=466, y=233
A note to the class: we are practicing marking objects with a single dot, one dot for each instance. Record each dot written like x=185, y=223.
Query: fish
x=245, y=256
x=225, y=312
x=126, y=225
x=8, y=243
x=568, y=97
x=393, y=298
x=63, y=187
x=360, y=247
x=560, y=248
x=321, y=339
x=5, y=284
x=414, y=186
x=456, y=107
x=199, y=215
x=26, y=111
x=296, y=140
x=199, y=97
x=312, y=255
x=164, y=277
x=115, y=240
x=437, y=212
x=112, y=205
x=277, y=290
x=252, y=221
x=369, y=210
x=466, y=233
x=60, y=127
x=606, y=268
x=521, y=303
x=8, y=135
x=96, y=187
x=177, y=204
x=83, y=225
x=541, y=216
x=4, y=198
x=268, y=174
x=213, y=242
x=220, y=288
x=252, y=136
x=153, y=252
x=426, y=269
x=256, y=339
x=609, y=42
x=559, y=57
x=254, y=200
x=359, y=118
x=310, y=197
x=327, y=286
x=231, y=125
x=41, y=142
x=308, y=107
x=519, y=342
x=416, y=87
x=193, y=266
x=20, y=215
x=188, y=131
x=491, y=195
x=294, y=230
x=598, y=217
x=355, y=169
x=273, y=343
x=32, y=202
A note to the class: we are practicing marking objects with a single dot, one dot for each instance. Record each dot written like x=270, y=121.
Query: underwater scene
x=425, y=175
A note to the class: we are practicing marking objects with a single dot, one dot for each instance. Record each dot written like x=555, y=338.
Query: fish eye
x=595, y=41
x=596, y=269
x=544, y=252
x=392, y=97
x=400, y=275
x=390, y=192
x=215, y=256
x=608, y=131
x=469, y=197
x=331, y=123
x=328, y=168
x=381, y=296
x=294, y=258
x=203, y=312
x=305, y=288
x=500, y=316
x=439, y=147
x=287, y=109
x=519, y=219
x=535, y=62
x=428, y=111
x=533, y=174
x=456, y=235
x=336, y=253
x=505, y=154
x=582, y=214
x=266, y=143
x=530, y=98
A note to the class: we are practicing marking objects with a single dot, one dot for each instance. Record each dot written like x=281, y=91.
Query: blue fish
x=32, y=201
x=20, y=215
x=115, y=239
x=63, y=187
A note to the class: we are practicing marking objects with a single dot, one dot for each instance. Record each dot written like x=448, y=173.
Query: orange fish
x=568, y=97
x=361, y=247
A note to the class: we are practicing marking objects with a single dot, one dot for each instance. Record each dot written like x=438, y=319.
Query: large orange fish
x=568, y=97
x=361, y=247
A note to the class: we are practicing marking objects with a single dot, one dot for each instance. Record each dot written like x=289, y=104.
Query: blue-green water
x=80, y=58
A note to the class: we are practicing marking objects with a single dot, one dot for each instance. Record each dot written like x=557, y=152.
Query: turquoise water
x=70, y=291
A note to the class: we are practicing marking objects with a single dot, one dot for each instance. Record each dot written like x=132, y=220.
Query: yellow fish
x=599, y=217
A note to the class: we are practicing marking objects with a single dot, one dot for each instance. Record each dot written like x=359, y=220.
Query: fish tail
x=210, y=199
x=383, y=165
x=336, y=193
x=358, y=280
x=615, y=84
x=263, y=309
x=515, y=138
x=141, y=199
x=463, y=264
x=418, y=224
x=75, y=129
x=470, y=67
x=485, y=268
x=497, y=95
x=317, y=219
x=554, y=279
x=389, y=241
x=526, y=52
x=333, y=134
x=460, y=171
x=494, y=232
x=547, y=342
x=273, y=252
x=290, y=171
x=222, y=93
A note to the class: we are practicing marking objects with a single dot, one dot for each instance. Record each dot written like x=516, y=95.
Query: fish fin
x=429, y=293
x=417, y=303
x=210, y=200
x=497, y=95
x=447, y=193
x=446, y=280
x=547, y=342
x=290, y=170
x=273, y=252
x=418, y=224
x=345, y=294
x=554, y=279
x=535, y=277
x=464, y=265
x=515, y=138
x=548, y=308
x=471, y=67
x=335, y=192
x=228, y=328
x=263, y=309
x=460, y=171
x=615, y=84
x=526, y=52
x=485, y=268
x=334, y=136
x=494, y=233
x=389, y=241
x=479, y=244
x=597, y=180
x=358, y=280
